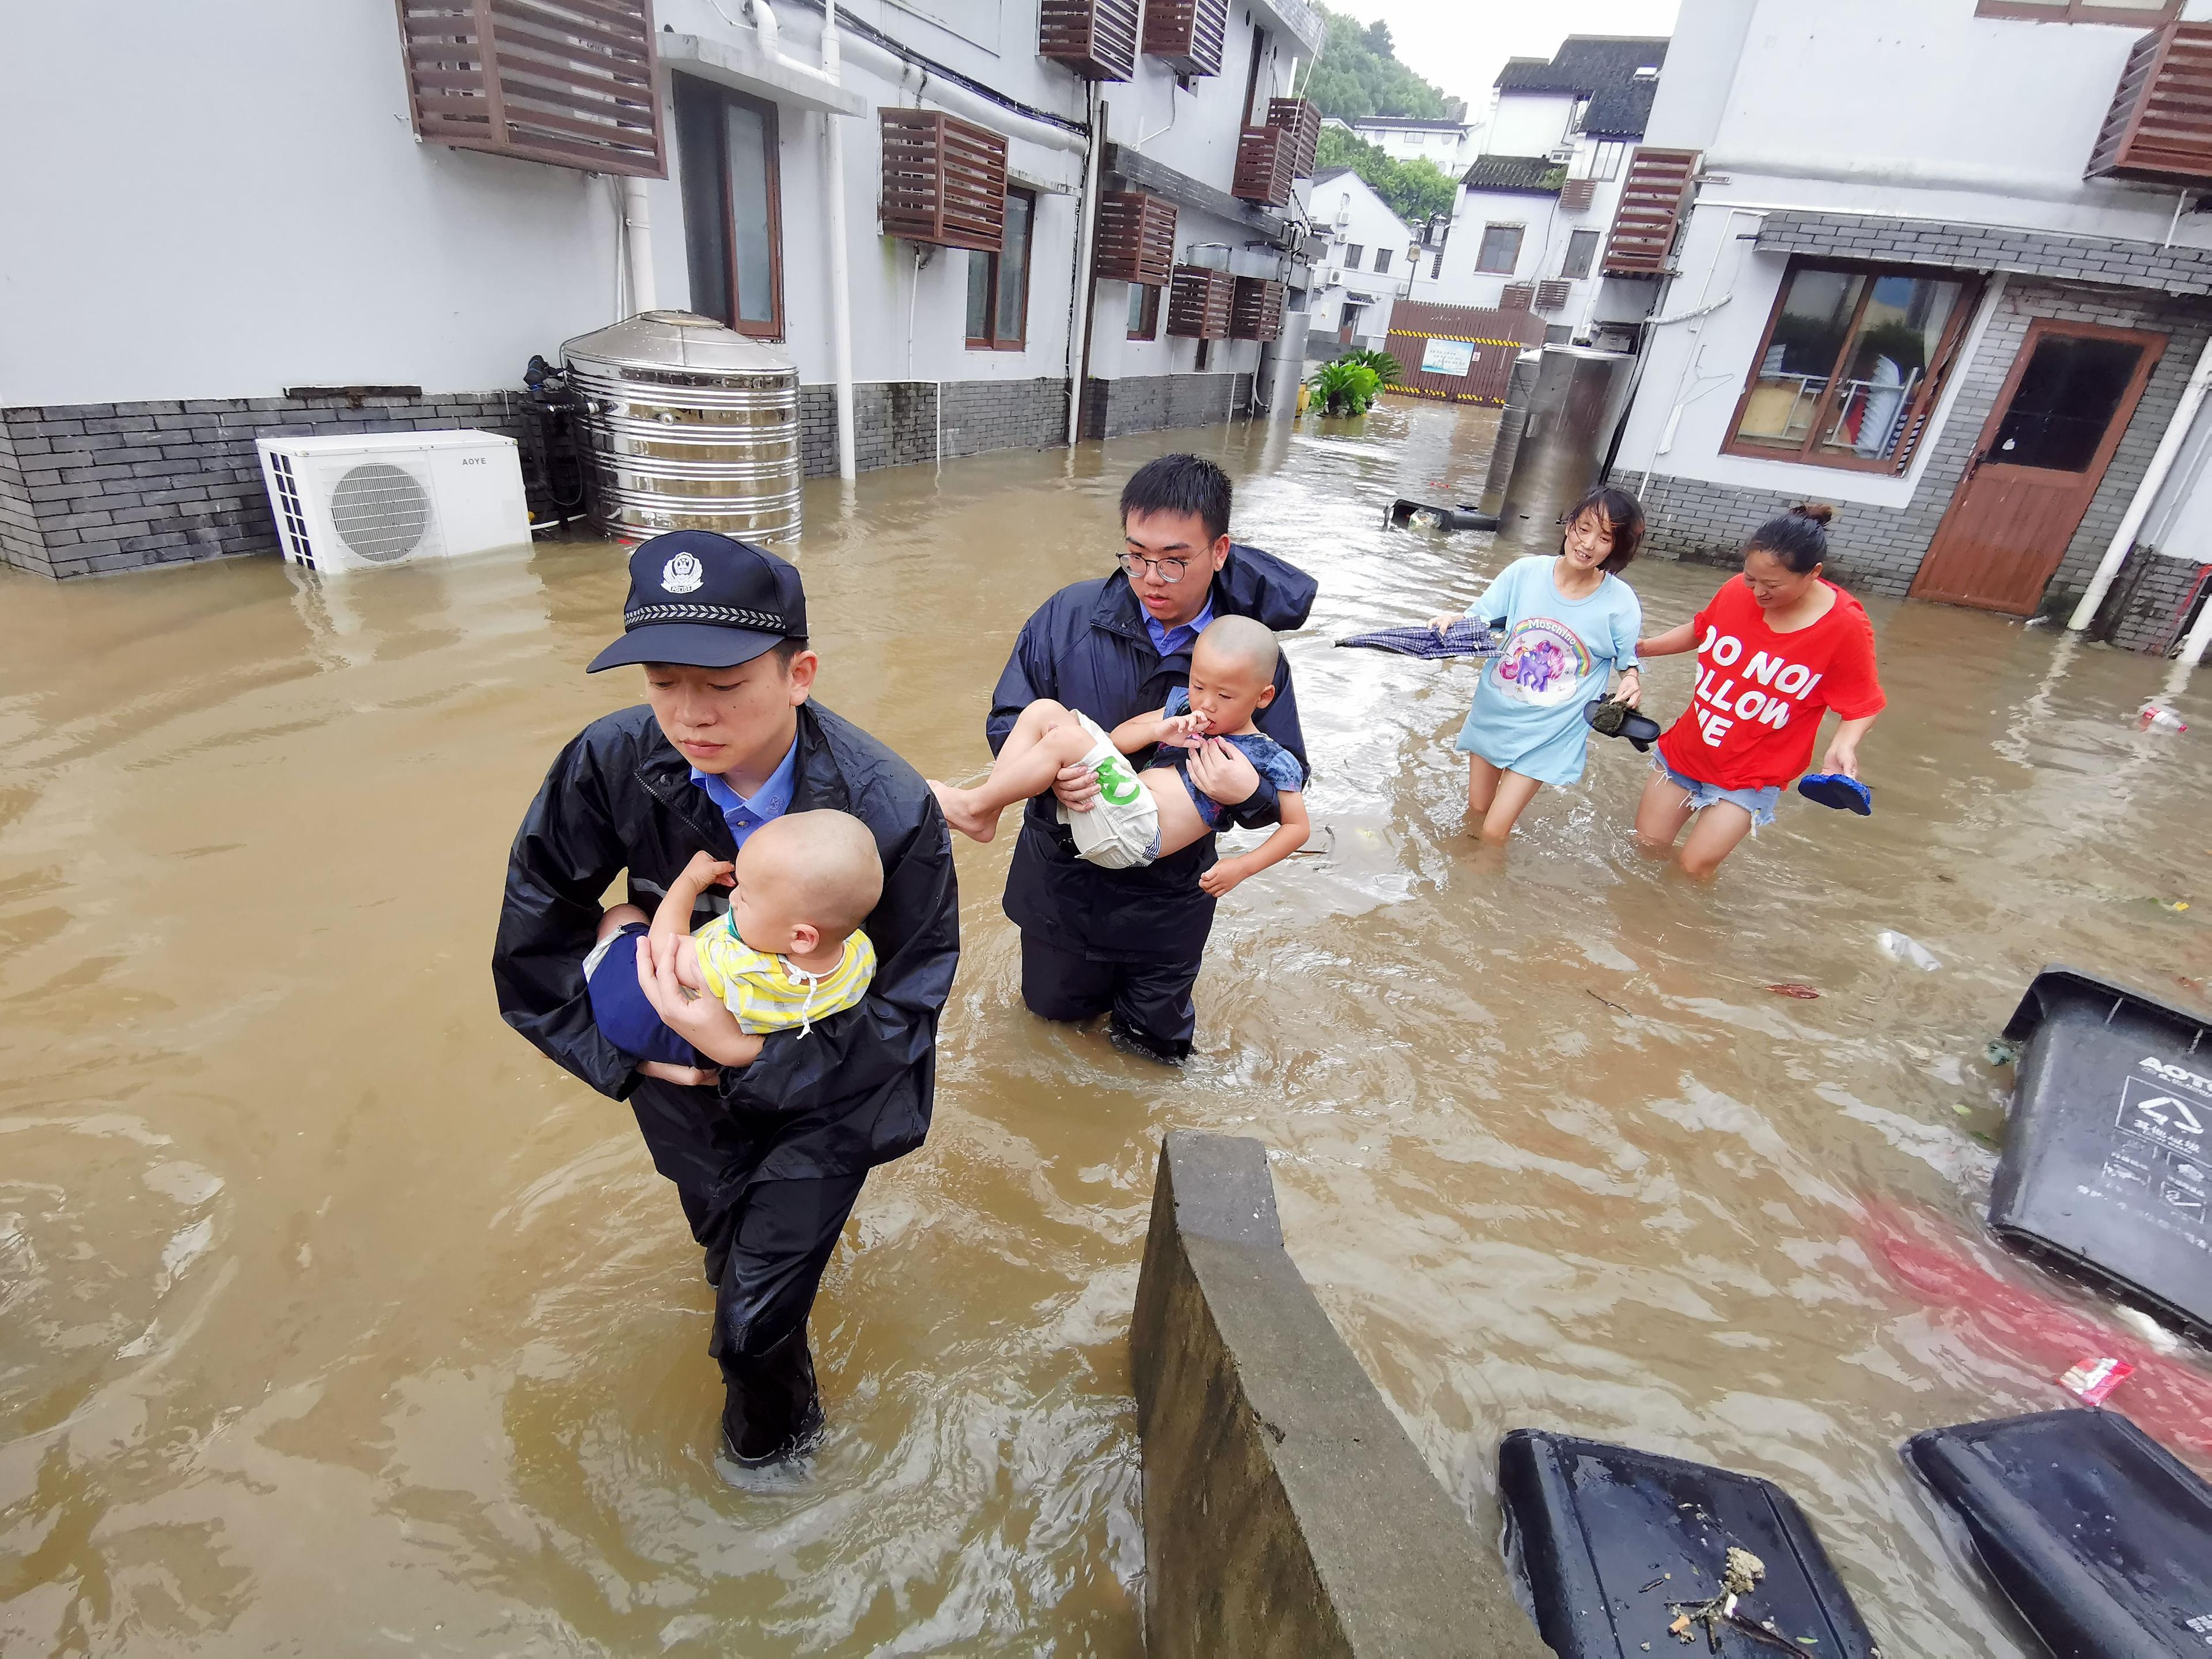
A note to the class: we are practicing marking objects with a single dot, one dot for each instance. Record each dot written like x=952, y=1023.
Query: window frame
x=1148, y=313
x=724, y=177
x=1591, y=248
x=1353, y=253
x=1381, y=267
x=1481, y=250
x=2149, y=14
x=1915, y=414
x=992, y=340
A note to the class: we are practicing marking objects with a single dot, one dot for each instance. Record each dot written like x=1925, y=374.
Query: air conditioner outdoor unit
x=368, y=499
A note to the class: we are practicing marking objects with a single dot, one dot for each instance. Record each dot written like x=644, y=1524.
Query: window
x=1417, y=138
x=1382, y=261
x=1600, y=159
x=999, y=283
x=1581, y=253
x=1436, y=268
x=1501, y=249
x=2135, y=12
x=1352, y=255
x=1851, y=361
x=726, y=145
x=1144, y=312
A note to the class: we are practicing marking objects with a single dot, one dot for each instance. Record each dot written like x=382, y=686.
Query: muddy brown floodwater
x=333, y=1320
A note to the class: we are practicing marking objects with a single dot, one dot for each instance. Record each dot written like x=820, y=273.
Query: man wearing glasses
x=1130, y=942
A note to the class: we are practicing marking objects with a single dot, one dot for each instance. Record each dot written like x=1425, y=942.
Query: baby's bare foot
x=969, y=819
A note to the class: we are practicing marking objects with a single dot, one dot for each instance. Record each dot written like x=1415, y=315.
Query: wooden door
x=2072, y=392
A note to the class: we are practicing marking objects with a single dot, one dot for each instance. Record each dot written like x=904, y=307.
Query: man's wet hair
x=1245, y=641
x=1180, y=484
x=786, y=651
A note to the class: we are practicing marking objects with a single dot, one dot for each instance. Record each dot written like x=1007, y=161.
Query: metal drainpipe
x=2132, y=524
x=1086, y=269
x=840, y=280
x=637, y=237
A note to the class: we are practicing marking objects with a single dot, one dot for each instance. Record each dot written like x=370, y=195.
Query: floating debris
x=2001, y=1053
x=1741, y=1572
x=1803, y=993
x=2092, y=1380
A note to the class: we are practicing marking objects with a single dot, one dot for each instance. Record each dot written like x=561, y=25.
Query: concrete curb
x=1285, y=1510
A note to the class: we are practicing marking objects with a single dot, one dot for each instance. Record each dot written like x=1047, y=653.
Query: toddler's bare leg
x=1046, y=738
x=620, y=916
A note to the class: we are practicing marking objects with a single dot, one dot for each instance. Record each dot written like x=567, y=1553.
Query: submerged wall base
x=1285, y=1510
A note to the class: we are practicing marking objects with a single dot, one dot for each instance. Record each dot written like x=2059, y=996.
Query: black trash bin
x=2104, y=1161
x=1605, y=1537
x=2101, y=1538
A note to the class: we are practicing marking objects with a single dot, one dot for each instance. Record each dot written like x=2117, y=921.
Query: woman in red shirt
x=1776, y=647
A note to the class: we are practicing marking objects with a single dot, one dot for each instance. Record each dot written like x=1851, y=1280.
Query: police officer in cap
x=767, y=1159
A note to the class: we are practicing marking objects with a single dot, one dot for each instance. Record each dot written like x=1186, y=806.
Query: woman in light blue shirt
x=1570, y=621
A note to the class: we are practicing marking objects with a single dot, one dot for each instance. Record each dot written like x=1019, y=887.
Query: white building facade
x=1528, y=227
x=301, y=255
x=1449, y=145
x=1366, y=270
x=1978, y=325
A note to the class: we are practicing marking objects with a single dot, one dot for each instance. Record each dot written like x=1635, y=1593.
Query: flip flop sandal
x=1838, y=790
x=1617, y=720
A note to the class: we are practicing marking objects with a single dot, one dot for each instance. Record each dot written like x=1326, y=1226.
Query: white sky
x=1461, y=45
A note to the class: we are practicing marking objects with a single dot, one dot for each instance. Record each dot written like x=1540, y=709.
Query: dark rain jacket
x=1088, y=646
x=853, y=1092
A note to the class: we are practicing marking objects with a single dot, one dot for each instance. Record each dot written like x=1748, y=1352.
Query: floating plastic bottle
x=2155, y=719
x=1899, y=947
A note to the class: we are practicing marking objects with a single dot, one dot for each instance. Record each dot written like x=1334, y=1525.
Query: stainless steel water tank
x=1578, y=401
x=1512, y=421
x=1283, y=365
x=692, y=427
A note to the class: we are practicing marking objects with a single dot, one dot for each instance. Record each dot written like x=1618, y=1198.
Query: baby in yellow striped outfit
x=788, y=952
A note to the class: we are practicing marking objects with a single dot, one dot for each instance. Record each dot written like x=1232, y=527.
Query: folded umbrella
x=1464, y=638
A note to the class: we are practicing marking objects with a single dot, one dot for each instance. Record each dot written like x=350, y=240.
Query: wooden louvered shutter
x=1136, y=238
x=945, y=180
x=1576, y=194
x=1096, y=39
x=1518, y=296
x=1256, y=309
x=1199, y=303
x=1302, y=120
x=2160, y=127
x=570, y=82
x=1186, y=35
x=1263, y=166
x=1550, y=296
x=1652, y=201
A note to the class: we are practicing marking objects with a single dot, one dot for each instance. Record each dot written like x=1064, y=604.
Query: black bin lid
x=1596, y=1524
x=2108, y=1161
x=2100, y=1536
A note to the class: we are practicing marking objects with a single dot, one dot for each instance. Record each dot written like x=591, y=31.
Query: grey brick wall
x=89, y=488
x=900, y=422
x=2149, y=606
x=1879, y=549
x=1156, y=403
x=2116, y=261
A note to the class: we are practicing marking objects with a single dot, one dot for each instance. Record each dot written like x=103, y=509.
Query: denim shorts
x=1759, y=803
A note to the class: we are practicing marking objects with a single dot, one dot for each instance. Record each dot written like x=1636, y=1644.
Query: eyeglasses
x=1167, y=570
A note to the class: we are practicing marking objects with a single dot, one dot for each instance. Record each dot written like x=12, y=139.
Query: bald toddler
x=789, y=951
x=1140, y=817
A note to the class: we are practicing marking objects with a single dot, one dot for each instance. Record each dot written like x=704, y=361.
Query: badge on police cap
x=683, y=574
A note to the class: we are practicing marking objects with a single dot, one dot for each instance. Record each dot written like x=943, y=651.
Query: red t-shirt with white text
x=1752, y=721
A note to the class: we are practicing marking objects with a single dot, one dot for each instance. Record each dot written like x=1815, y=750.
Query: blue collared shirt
x=1168, y=641
x=744, y=814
